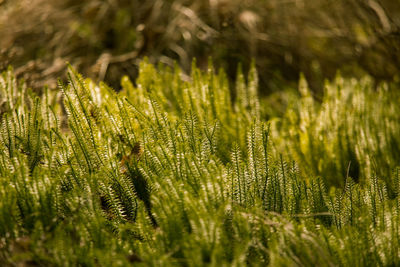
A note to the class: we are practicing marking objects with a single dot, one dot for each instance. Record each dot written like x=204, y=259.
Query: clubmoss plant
x=175, y=172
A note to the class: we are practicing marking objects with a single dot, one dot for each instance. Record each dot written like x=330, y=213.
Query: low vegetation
x=174, y=171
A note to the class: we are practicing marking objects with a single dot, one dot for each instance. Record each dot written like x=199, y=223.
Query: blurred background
x=105, y=39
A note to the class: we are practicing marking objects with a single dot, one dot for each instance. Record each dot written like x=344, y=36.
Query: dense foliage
x=352, y=131
x=173, y=171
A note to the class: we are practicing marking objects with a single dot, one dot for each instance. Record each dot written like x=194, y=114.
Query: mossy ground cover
x=176, y=172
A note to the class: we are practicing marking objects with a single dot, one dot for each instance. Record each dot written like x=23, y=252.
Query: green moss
x=172, y=172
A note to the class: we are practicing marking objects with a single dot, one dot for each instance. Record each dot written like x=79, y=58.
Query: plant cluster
x=172, y=172
x=352, y=131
